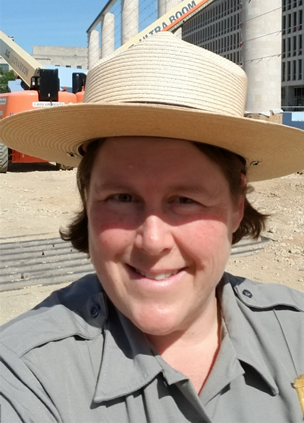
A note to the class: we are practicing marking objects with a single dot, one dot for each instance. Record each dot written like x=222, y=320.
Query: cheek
x=207, y=239
x=107, y=235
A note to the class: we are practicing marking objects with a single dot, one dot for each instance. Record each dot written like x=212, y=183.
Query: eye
x=122, y=198
x=184, y=200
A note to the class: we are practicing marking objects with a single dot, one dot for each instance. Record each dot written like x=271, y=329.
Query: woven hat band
x=162, y=87
x=163, y=70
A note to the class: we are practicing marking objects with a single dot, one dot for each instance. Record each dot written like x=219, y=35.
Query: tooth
x=161, y=276
x=158, y=277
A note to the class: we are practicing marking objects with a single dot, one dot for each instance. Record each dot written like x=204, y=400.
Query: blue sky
x=48, y=22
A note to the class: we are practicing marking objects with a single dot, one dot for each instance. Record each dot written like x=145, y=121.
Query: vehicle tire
x=63, y=167
x=3, y=158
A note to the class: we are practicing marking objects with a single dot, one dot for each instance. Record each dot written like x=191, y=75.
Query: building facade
x=70, y=57
x=292, y=54
x=265, y=38
x=218, y=29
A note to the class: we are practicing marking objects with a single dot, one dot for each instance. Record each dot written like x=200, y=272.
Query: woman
x=161, y=333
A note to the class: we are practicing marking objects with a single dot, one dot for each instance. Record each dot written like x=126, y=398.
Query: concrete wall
x=261, y=49
x=165, y=5
x=94, y=49
x=62, y=56
x=107, y=35
x=129, y=19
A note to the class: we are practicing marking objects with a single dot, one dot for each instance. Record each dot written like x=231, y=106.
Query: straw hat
x=160, y=87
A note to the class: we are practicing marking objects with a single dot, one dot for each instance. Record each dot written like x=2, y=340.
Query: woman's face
x=161, y=219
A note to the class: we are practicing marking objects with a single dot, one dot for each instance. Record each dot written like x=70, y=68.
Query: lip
x=174, y=278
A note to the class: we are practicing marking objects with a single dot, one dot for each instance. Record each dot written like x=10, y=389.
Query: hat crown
x=165, y=70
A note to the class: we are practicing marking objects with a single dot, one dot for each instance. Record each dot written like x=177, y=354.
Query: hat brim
x=55, y=134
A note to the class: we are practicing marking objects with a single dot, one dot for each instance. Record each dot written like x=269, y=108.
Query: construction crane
x=43, y=90
x=22, y=62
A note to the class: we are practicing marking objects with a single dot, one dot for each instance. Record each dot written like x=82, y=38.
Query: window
x=294, y=70
x=283, y=71
x=300, y=69
x=289, y=24
x=283, y=48
x=299, y=96
x=300, y=44
x=294, y=53
x=288, y=46
x=284, y=25
x=284, y=5
x=79, y=67
x=4, y=67
x=288, y=71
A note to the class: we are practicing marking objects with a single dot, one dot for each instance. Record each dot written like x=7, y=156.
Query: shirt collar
x=128, y=362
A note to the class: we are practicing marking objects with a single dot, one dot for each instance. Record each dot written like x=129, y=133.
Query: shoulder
x=78, y=306
x=61, y=337
x=258, y=295
x=266, y=320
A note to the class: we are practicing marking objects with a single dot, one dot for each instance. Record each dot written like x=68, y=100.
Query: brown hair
x=232, y=165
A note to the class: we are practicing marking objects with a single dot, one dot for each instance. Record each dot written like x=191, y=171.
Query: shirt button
x=247, y=293
x=95, y=311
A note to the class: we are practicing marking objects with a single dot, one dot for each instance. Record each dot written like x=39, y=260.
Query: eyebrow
x=187, y=188
x=195, y=189
x=111, y=186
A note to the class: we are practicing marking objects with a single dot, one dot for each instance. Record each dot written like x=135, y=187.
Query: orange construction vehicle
x=42, y=90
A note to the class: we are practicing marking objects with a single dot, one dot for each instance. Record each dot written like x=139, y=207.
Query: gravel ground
x=37, y=199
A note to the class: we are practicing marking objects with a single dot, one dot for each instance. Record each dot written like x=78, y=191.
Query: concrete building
x=292, y=54
x=264, y=37
x=70, y=57
x=249, y=34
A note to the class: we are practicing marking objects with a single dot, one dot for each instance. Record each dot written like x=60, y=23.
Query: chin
x=160, y=325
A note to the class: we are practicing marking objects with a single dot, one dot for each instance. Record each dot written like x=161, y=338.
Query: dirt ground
x=37, y=199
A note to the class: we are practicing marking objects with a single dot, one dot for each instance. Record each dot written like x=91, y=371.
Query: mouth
x=156, y=276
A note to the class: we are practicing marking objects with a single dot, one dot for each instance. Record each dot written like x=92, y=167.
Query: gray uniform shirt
x=76, y=359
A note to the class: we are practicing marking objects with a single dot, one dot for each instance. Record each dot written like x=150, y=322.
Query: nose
x=154, y=236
